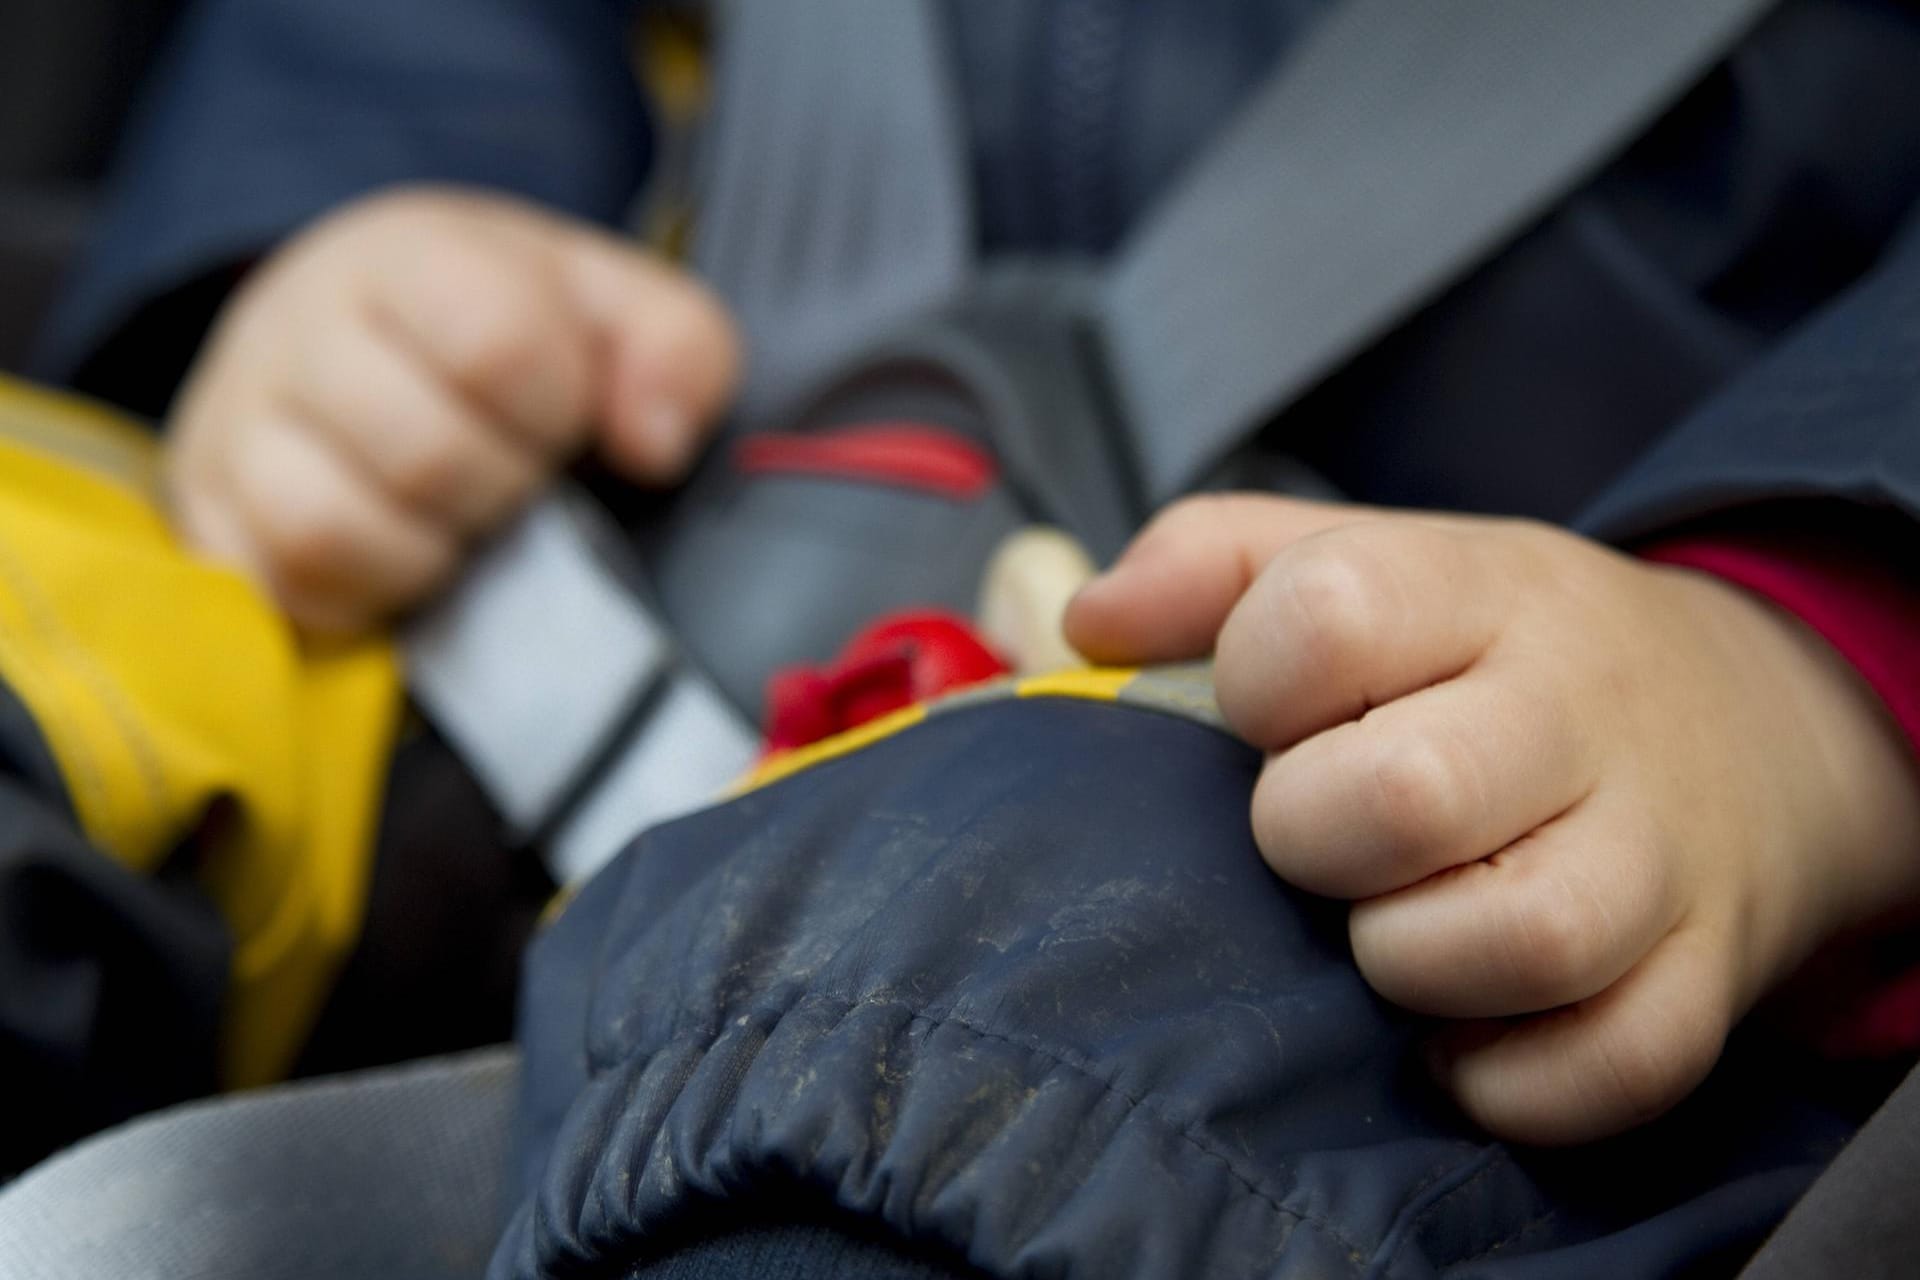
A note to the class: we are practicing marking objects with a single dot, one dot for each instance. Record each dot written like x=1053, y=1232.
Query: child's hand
x=403, y=376
x=1555, y=781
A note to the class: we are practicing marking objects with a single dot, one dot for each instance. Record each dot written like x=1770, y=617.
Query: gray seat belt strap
x=397, y=1173
x=1402, y=144
x=835, y=201
x=835, y=197
x=565, y=697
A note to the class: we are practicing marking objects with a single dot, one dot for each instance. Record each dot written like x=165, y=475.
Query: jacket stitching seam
x=1501, y=1158
x=1384, y=1259
x=1073, y=1062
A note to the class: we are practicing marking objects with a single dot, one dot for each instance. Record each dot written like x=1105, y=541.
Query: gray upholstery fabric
x=1847, y=1224
x=394, y=1173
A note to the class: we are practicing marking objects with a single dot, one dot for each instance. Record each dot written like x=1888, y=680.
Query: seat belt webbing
x=835, y=202
x=1401, y=145
x=552, y=679
x=835, y=195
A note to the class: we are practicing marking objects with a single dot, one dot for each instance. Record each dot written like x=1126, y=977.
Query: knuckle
x=487, y=311
x=326, y=379
x=1417, y=791
x=1555, y=943
x=1327, y=607
x=307, y=543
x=1192, y=514
x=1544, y=544
x=1411, y=964
x=494, y=345
x=432, y=476
x=1643, y=1069
x=1186, y=522
x=519, y=358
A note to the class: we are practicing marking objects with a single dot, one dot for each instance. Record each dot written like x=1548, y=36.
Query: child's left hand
x=1593, y=806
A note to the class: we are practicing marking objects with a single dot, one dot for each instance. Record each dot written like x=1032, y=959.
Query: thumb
x=1166, y=597
x=669, y=355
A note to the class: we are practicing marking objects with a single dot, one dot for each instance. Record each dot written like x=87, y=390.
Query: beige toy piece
x=1024, y=594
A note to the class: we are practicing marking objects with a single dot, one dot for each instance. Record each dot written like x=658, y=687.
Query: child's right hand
x=402, y=377
x=1590, y=807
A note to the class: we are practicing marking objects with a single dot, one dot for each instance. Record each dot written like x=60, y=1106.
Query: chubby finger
x=490, y=314
x=430, y=450
x=202, y=509
x=1350, y=619
x=336, y=553
x=1444, y=776
x=1599, y=1067
x=671, y=354
x=1554, y=918
x=1166, y=597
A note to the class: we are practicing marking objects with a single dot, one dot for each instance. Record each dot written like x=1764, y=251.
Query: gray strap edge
x=394, y=1172
x=1857, y=1219
x=1401, y=146
x=835, y=194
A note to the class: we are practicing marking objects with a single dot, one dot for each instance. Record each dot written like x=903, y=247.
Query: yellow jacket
x=185, y=717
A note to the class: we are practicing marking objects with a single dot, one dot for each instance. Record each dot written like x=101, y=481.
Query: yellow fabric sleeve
x=179, y=704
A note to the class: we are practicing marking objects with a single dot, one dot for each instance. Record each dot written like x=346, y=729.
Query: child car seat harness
x=1397, y=148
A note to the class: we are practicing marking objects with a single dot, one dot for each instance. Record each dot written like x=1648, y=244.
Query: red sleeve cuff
x=1871, y=615
x=1859, y=606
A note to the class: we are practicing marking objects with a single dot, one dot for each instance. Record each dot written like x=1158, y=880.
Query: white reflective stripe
x=534, y=662
x=691, y=746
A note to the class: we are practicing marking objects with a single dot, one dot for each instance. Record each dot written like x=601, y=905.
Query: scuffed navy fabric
x=1013, y=985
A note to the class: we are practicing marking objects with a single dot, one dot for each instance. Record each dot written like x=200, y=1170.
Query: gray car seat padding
x=395, y=1173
